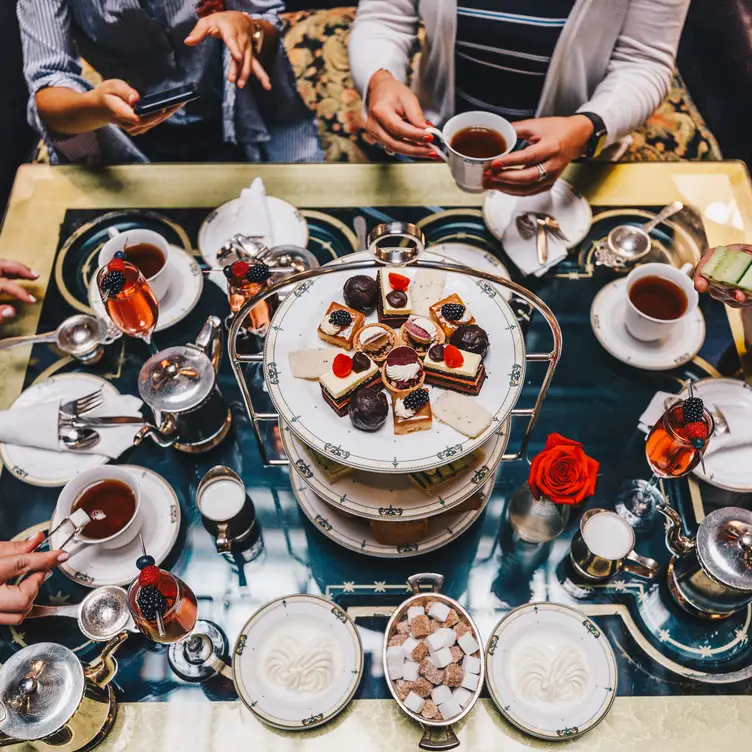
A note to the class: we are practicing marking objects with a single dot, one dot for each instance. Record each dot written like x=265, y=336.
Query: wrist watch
x=257, y=38
x=597, y=141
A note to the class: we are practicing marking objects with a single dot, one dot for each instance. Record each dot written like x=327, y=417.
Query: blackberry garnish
x=452, y=311
x=415, y=400
x=340, y=318
x=113, y=282
x=259, y=272
x=145, y=561
x=151, y=602
x=692, y=410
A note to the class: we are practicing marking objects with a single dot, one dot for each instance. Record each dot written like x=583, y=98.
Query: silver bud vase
x=536, y=520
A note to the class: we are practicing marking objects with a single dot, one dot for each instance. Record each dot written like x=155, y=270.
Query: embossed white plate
x=297, y=662
x=607, y=315
x=551, y=671
x=475, y=258
x=301, y=405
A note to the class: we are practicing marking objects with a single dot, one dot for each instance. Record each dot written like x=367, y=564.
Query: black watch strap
x=598, y=139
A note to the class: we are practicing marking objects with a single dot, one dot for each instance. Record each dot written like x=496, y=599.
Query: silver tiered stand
x=393, y=243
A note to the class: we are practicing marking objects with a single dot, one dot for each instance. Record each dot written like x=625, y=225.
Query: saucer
x=289, y=227
x=570, y=208
x=607, y=315
x=94, y=566
x=475, y=258
x=298, y=662
x=42, y=467
x=186, y=284
x=550, y=671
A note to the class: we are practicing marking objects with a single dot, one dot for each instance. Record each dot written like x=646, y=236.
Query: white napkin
x=524, y=253
x=37, y=426
x=252, y=216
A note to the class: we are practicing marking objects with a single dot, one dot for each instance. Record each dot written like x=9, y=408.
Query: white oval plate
x=381, y=496
x=570, y=209
x=520, y=655
x=355, y=534
x=301, y=406
x=475, y=258
x=94, y=566
x=42, y=467
x=607, y=315
x=288, y=227
x=186, y=285
x=259, y=650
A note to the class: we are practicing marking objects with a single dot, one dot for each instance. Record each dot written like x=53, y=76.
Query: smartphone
x=161, y=100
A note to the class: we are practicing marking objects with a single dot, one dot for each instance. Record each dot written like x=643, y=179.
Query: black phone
x=161, y=100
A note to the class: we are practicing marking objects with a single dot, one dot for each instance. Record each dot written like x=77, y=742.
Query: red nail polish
x=428, y=137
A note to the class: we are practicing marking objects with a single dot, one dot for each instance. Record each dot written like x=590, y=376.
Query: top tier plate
x=301, y=405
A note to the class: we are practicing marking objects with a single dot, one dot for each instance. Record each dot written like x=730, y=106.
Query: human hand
x=729, y=296
x=16, y=560
x=236, y=30
x=10, y=270
x=553, y=143
x=395, y=117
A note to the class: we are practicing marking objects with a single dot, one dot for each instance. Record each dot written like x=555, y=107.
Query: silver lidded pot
x=180, y=385
x=710, y=575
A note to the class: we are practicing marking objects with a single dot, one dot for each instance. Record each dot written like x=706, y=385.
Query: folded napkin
x=252, y=217
x=523, y=252
x=37, y=426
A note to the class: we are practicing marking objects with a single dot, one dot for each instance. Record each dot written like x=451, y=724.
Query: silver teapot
x=710, y=575
x=180, y=385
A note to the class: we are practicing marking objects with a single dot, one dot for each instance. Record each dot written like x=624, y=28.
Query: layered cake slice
x=449, y=367
x=412, y=412
x=451, y=313
x=394, y=302
x=339, y=325
x=345, y=377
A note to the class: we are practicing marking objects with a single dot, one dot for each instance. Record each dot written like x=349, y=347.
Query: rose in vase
x=562, y=472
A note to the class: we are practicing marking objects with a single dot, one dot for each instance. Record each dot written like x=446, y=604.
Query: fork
x=80, y=406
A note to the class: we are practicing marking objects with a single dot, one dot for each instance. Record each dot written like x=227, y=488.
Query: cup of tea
x=471, y=141
x=604, y=545
x=110, y=495
x=226, y=511
x=659, y=297
x=148, y=251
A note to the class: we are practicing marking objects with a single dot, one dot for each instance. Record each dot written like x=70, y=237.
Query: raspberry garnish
x=239, y=269
x=149, y=575
x=116, y=265
x=342, y=365
x=453, y=356
x=398, y=281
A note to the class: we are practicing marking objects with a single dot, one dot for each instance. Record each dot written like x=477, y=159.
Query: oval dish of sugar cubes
x=433, y=659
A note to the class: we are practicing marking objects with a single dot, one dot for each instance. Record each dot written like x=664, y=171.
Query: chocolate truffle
x=471, y=338
x=361, y=362
x=368, y=409
x=436, y=352
x=360, y=292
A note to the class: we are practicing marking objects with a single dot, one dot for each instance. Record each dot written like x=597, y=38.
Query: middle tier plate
x=380, y=496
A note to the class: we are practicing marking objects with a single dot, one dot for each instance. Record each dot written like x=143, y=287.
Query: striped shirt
x=141, y=42
x=502, y=53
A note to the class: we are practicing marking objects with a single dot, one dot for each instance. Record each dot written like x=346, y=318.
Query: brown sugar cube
x=421, y=687
x=428, y=603
x=419, y=652
x=430, y=711
x=403, y=628
x=452, y=619
x=434, y=625
x=430, y=672
x=398, y=639
x=461, y=629
x=403, y=689
x=421, y=627
x=438, y=717
x=456, y=652
x=454, y=673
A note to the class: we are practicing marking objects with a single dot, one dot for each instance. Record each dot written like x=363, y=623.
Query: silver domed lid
x=176, y=379
x=724, y=546
x=41, y=687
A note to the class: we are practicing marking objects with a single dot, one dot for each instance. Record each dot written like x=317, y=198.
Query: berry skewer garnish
x=150, y=600
x=693, y=412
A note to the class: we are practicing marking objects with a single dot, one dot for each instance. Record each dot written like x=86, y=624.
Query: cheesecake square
x=340, y=332
x=394, y=306
x=467, y=378
x=407, y=420
x=449, y=325
x=338, y=392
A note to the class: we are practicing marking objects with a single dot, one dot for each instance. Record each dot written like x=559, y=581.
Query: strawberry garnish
x=453, y=356
x=116, y=265
x=342, y=366
x=398, y=281
x=149, y=575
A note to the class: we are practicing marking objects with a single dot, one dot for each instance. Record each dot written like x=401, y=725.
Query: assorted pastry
x=376, y=341
x=341, y=382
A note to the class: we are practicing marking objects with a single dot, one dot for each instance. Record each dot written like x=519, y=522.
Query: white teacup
x=75, y=487
x=158, y=282
x=468, y=171
x=646, y=328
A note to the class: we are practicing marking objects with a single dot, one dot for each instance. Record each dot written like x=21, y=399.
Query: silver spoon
x=79, y=438
x=632, y=242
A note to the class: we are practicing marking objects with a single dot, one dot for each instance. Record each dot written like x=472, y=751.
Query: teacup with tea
x=147, y=250
x=471, y=142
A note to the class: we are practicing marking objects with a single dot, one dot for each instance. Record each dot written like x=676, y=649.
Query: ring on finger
x=542, y=172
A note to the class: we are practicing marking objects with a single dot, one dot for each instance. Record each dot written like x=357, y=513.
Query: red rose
x=562, y=472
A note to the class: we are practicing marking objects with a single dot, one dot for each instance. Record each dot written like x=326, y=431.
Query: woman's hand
x=9, y=271
x=729, y=296
x=395, y=117
x=236, y=30
x=553, y=143
x=16, y=560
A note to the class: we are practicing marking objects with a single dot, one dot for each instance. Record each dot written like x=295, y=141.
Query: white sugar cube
x=470, y=681
x=448, y=636
x=438, y=611
x=395, y=671
x=471, y=664
x=414, y=702
x=395, y=656
x=414, y=611
x=449, y=709
x=468, y=643
x=462, y=696
x=441, y=694
x=410, y=671
x=408, y=646
x=435, y=641
x=442, y=657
